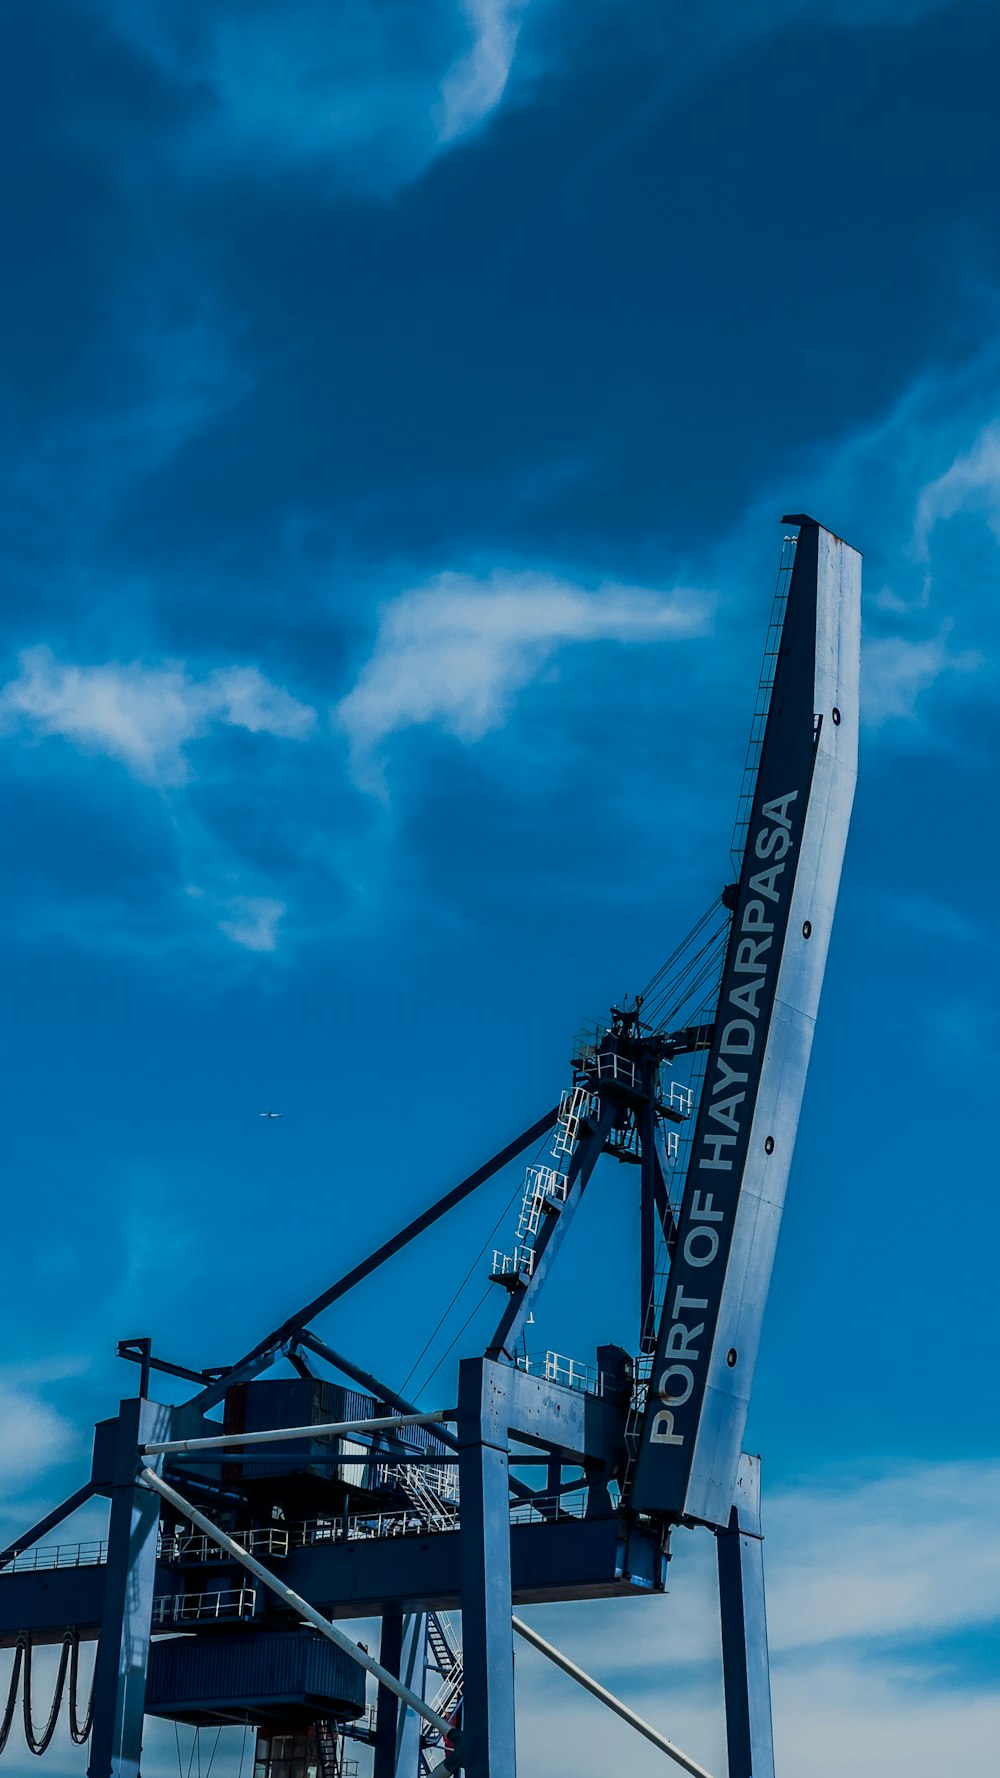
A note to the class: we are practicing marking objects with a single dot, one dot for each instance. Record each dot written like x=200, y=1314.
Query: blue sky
x=398, y=406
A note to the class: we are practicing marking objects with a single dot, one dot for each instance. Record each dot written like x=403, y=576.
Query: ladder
x=437, y=1513
x=445, y=1658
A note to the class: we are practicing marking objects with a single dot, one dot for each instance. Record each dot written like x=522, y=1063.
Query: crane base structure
x=238, y=1547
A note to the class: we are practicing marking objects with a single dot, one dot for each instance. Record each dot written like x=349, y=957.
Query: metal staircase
x=444, y=1657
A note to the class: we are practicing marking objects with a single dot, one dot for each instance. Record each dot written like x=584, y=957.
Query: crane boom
x=722, y=1256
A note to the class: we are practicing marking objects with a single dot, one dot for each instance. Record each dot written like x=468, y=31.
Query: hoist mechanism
x=237, y=1548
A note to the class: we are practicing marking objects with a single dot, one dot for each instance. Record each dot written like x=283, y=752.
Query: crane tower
x=239, y=1546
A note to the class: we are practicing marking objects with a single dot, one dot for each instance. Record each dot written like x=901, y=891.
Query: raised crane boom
x=706, y=1344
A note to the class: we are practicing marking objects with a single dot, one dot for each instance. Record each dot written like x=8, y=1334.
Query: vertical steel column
x=397, y=1729
x=744, y=1631
x=487, y=1635
x=123, y=1648
x=647, y=1225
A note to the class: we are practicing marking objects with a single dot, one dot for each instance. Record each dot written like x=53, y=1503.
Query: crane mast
x=723, y=1249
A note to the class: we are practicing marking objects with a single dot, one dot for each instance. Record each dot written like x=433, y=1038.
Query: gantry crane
x=235, y=1551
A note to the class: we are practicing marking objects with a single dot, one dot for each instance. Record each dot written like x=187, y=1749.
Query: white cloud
x=252, y=921
x=970, y=485
x=912, y=1553
x=475, y=85
x=456, y=650
x=144, y=716
x=864, y=1578
x=897, y=671
x=33, y=1436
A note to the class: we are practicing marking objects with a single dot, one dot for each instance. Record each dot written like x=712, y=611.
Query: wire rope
x=37, y=1743
x=215, y=1749
x=15, y=1683
x=443, y=1318
x=470, y=1316
x=79, y=1732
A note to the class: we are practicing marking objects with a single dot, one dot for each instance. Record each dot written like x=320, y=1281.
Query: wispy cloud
x=252, y=921
x=144, y=716
x=375, y=99
x=898, y=670
x=970, y=485
x=455, y=651
x=475, y=85
x=33, y=1436
x=846, y=1594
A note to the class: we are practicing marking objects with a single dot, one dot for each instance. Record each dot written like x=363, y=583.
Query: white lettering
x=716, y=1142
x=725, y=1112
x=771, y=843
x=679, y=1340
x=746, y=997
x=778, y=810
x=701, y=1233
x=748, y=955
x=676, y=1370
x=729, y=1046
x=764, y=882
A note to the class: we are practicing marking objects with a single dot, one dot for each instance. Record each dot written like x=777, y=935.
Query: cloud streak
x=476, y=84
x=864, y=1577
x=455, y=652
x=144, y=716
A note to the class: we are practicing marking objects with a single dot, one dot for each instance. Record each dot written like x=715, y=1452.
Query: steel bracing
x=237, y=1550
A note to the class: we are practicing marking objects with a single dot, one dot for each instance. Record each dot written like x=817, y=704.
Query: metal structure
x=235, y=1551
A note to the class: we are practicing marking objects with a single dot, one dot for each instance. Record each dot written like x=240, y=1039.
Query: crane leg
x=487, y=1632
x=123, y=1648
x=397, y=1732
x=744, y=1631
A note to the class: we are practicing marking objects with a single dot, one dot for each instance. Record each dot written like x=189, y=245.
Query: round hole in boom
x=807, y=929
x=731, y=1357
x=836, y=716
x=769, y=1145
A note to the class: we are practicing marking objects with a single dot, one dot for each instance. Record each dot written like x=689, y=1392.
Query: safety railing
x=59, y=1555
x=229, y=1603
x=547, y=1507
x=620, y=1069
x=680, y=1099
x=194, y=1546
x=519, y=1264
x=572, y=1373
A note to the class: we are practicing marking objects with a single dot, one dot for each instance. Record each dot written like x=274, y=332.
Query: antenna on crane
x=235, y=1553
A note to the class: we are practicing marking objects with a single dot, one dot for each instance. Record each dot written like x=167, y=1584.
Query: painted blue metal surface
x=487, y=1637
x=402, y=1650
x=707, y=1342
x=744, y=1632
x=269, y=1676
x=123, y=1646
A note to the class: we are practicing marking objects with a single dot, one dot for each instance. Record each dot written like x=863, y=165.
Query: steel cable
x=11, y=1704
x=79, y=1732
x=37, y=1744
